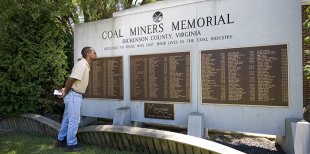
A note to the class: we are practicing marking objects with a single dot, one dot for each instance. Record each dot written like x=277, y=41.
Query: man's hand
x=64, y=92
x=67, y=88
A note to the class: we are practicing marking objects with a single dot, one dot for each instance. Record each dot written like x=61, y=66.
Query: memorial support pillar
x=195, y=125
x=122, y=117
x=297, y=137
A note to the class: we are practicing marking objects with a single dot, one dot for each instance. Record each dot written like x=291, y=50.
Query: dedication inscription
x=159, y=111
x=106, y=78
x=160, y=77
x=249, y=76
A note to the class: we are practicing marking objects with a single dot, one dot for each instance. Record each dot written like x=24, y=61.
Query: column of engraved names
x=165, y=75
x=114, y=78
x=223, y=75
x=265, y=79
x=157, y=75
x=110, y=80
x=178, y=73
x=104, y=78
x=138, y=77
x=235, y=62
x=252, y=76
x=284, y=71
x=96, y=78
x=188, y=74
x=208, y=73
x=145, y=77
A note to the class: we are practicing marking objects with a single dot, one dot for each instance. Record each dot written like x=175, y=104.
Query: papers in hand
x=57, y=92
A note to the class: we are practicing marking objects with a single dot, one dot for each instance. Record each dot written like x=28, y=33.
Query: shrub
x=32, y=61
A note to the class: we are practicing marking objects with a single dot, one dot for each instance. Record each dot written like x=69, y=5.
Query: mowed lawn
x=16, y=143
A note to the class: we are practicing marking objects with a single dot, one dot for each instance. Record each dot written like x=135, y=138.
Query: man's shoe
x=74, y=148
x=61, y=144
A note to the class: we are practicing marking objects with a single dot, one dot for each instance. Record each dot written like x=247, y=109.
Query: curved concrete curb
x=149, y=140
x=30, y=123
x=119, y=137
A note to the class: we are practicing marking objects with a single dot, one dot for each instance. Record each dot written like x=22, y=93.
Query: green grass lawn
x=15, y=143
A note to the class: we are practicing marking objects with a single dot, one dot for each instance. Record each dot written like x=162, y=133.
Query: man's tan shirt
x=80, y=72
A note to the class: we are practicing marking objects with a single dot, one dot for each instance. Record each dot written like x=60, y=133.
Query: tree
x=32, y=61
x=69, y=13
x=36, y=47
x=307, y=40
x=307, y=66
x=92, y=10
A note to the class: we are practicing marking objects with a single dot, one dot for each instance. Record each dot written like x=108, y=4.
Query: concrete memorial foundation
x=195, y=125
x=297, y=137
x=240, y=69
x=122, y=117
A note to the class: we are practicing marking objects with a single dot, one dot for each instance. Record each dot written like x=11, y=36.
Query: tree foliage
x=92, y=10
x=36, y=48
x=68, y=13
x=32, y=61
x=307, y=40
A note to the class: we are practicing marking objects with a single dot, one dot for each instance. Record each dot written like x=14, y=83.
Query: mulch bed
x=247, y=144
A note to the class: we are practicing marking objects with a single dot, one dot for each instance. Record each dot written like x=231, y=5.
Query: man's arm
x=68, y=86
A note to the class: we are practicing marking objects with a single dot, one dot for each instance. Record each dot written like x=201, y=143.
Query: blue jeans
x=71, y=118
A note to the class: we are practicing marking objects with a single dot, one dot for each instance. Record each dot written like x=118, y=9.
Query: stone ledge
x=159, y=134
x=119, y=137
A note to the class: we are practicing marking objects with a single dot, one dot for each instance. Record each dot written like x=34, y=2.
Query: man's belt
x=76, y=91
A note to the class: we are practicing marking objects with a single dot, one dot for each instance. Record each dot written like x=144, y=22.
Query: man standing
x=72, y=93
